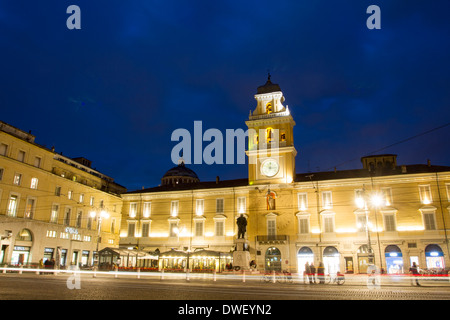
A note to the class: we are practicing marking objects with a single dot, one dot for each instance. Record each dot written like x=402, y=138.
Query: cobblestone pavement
x=84, y=286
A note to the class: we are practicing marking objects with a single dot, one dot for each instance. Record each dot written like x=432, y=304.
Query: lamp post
x=99, y=215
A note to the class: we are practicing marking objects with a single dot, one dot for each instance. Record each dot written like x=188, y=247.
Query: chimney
x=403, y=169
x=217, y=179
x=429, y=162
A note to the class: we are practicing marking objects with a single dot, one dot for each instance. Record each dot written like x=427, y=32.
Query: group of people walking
x=310, y=272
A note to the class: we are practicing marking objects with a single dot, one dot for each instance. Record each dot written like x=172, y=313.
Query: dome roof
x=269, y=87
x=179, y=174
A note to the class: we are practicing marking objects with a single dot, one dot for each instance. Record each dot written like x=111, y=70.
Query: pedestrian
x=321, y=273
x=306, y=273
x=41, y=264
x=414, y=270
x=313, y=273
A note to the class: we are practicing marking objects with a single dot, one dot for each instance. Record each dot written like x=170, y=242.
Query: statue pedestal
x=241, y=256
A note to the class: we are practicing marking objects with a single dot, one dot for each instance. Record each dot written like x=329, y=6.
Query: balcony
x=272, y=239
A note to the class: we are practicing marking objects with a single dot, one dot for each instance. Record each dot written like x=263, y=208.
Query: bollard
x=139, y=273
x=21, y=269
x=95, y=273
x=116, y=273
x=187, y=274
x=243, y=275
x=273, y=277
x=4, y=270
x=162, y=274
x=214, y=275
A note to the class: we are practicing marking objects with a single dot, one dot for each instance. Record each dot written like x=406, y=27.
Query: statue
x=242, y=226
x=270, y=200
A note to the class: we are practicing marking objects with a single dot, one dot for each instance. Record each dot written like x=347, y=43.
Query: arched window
x=269, y=109
x=273, y=259
x=24, y=235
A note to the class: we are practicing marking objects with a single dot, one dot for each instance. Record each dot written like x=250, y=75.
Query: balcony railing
x=272, y=238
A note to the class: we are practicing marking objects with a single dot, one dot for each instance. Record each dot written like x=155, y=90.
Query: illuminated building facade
x=385, y=214
x=50, y=204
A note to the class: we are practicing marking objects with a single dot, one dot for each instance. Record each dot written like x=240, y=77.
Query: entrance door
x=363, y=263
x=304, y=255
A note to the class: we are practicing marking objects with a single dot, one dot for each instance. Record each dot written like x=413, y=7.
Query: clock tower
x=271, y=150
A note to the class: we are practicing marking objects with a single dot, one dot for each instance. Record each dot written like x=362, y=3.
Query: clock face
x=269, y=167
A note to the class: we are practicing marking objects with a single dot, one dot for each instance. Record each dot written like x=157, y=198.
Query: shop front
x=48, y=254
x=394, y=260
x=273, y=260
x=364, y=254
x=20, y=255
x=331, y=260
x=434, y=257
x=304, y=255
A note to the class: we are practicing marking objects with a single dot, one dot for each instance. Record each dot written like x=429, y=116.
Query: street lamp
x=99, y=215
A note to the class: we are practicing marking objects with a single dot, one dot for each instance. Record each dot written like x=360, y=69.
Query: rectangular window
x=17, y=179
x=54, y=214
x=81, y=197
x=131, y=229
x=1, y=173
x=113, y=225
x=241, y=205
x=3, y=149
x=79, y=218
x=303, y=225
x=271, y=227
x=91, y=201
x=361, y=222
x=174, y=208
x=425, y=194
x=327, y=202
x=145, y=229
x=200, y=203
x=21, y=156
x=173, y=229
x=359, y=198
x=199, y=228
x=58, y=191
x=389, y=223
x=51, y=234
x=133, y=210
x=37, y=162
x=429, y=222
x=219, y=206
x=147, y=209
x=328, y=222
x=29, y=209
x=220, y=228
x=89, y=223
x=386, y=195
x=70, y=194
x=12, y=205
x=67, y=216
x=302, y=201
x=34, y=183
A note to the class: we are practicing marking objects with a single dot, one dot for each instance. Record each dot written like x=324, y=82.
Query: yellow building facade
x=385, y=214
x=50, y=205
